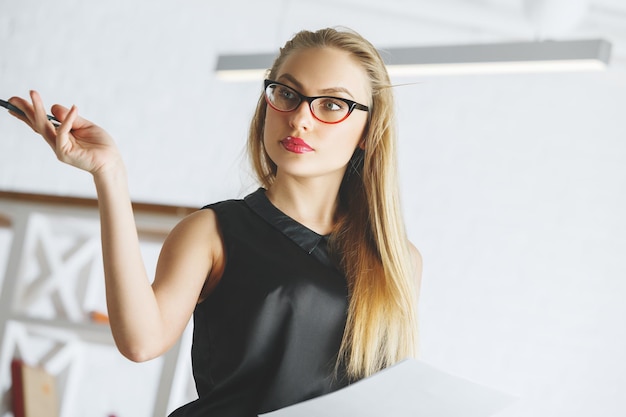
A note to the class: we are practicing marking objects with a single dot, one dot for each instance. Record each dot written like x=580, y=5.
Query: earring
x=356, y=162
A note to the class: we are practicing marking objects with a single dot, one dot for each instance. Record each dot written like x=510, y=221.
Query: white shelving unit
x=51, y=256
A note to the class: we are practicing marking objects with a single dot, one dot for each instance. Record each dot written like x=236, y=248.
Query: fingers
x=63, y=131
x=32, y=110
x=29, y=117
x=61, y=113
x=36, y=117
x=41, y=123
x=24, y=106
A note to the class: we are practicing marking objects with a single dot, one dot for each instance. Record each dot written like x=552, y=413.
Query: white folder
x=408, y=389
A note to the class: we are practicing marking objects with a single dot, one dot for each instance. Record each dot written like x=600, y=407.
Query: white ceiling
x=428, y=22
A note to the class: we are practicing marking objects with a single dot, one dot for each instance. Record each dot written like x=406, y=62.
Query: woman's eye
x=333, y=105
x=286, y=94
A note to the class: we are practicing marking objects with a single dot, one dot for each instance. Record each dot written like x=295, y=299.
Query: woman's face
x=299, y=144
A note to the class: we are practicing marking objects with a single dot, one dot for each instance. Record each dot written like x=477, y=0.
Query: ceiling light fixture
x=538, y=56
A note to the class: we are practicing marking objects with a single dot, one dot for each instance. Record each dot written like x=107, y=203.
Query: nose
x=301, y=116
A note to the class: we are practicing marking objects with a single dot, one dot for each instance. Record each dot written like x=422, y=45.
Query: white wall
x=514, y=186
x=515, y=193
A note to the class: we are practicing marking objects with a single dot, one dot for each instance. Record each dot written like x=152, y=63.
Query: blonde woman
x=305, y=285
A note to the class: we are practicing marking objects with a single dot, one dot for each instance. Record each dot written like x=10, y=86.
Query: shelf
x=86, y=331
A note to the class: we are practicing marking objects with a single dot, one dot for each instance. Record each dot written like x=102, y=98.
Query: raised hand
x=76, y=141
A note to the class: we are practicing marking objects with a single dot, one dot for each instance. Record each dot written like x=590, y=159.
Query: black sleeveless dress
x=268, y=335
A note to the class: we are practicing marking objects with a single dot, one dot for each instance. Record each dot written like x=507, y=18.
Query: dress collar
x=313, y=243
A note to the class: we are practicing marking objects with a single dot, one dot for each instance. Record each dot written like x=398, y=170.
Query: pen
x=14, y=109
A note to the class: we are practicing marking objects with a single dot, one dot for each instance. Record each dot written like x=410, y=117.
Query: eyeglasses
x=326, y=109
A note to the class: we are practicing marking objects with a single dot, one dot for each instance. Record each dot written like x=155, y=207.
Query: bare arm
x=145, y=319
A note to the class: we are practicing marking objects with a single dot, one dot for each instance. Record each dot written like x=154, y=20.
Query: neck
x=312, y=203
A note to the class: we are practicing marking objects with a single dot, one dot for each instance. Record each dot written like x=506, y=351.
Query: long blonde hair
x=368, y=240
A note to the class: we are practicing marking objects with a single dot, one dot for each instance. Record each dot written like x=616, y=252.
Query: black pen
x=14, y=109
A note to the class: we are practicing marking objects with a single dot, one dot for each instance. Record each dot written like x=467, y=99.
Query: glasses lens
x=282, y=98
x=329, y=109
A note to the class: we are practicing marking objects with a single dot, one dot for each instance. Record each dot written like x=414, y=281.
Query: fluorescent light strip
x=494, y=68
x=540, y=56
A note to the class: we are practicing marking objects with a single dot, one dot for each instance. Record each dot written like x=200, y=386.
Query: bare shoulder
x=201, y=222
x=197, y=233
x=199, y=228
x=192, y=251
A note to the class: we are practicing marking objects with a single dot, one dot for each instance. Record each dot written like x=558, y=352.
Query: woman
x=302, y=287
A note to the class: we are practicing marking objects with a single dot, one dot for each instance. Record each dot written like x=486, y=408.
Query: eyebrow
x=329, y=90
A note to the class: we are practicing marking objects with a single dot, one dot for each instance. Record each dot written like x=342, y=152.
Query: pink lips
x=295, y=145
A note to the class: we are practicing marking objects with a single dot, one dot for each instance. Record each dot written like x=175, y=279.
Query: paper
x=408, y=389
